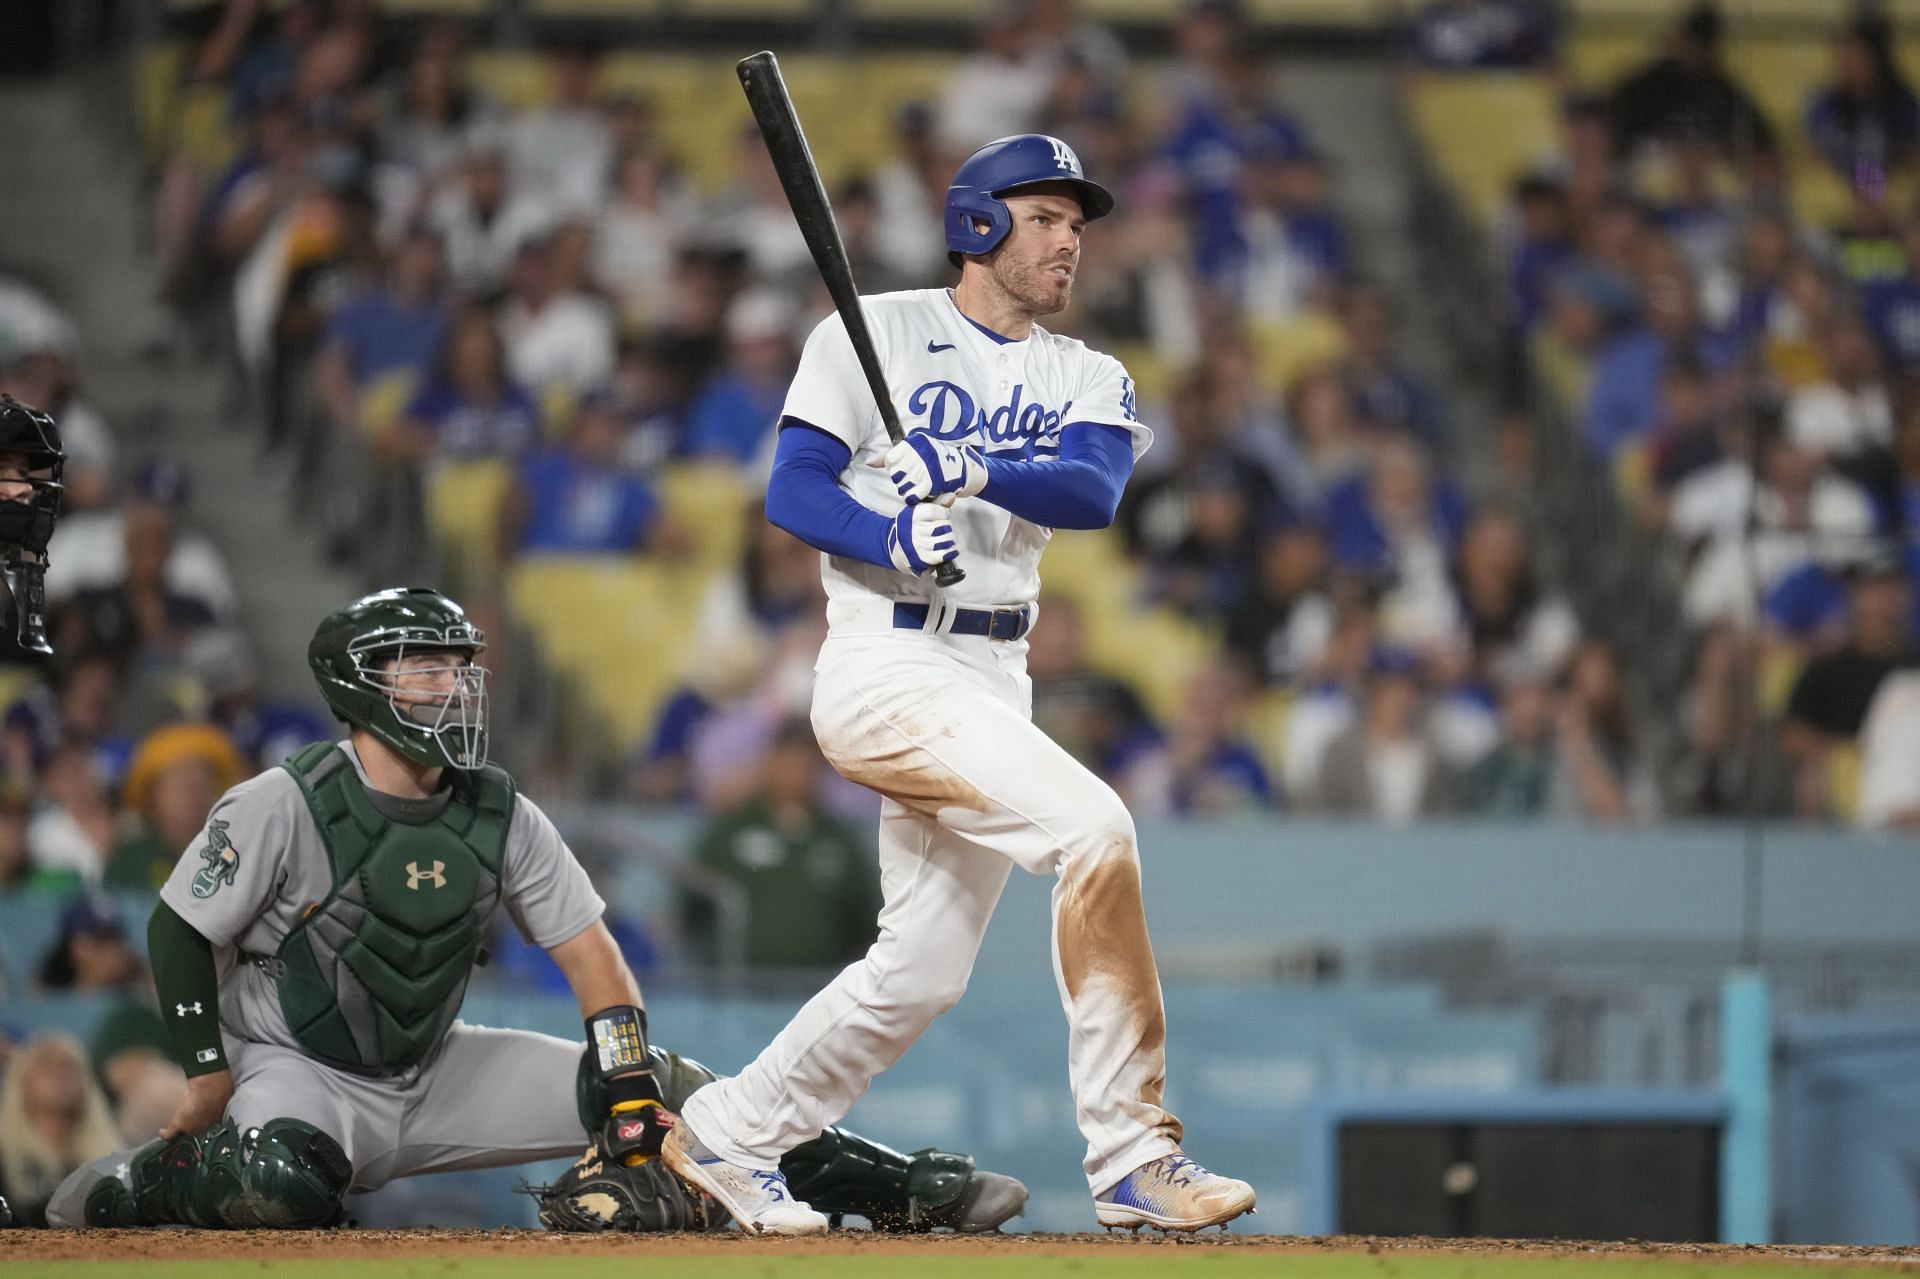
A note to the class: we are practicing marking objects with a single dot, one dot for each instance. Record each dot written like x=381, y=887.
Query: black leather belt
x=996, y=624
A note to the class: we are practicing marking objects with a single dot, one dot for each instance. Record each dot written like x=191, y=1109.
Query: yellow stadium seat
x=1265, y=726
x=1283, y=353
x=384, y=401
x=1843, y=781
x=1484, y=129
x=1158, y=652
x=156, y=87
x=709, y=502
x=618, y=628
x=463, y=510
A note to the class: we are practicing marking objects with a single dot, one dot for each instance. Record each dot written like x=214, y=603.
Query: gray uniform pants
x=486, y=1099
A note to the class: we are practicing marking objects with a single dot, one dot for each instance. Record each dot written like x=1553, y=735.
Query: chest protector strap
x=373, y=976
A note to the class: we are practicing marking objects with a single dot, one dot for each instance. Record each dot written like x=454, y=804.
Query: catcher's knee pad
x=843, y=1174
x=284, y=1175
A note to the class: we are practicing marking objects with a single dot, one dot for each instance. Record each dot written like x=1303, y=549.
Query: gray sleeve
x=230, y=875
x=546, y=889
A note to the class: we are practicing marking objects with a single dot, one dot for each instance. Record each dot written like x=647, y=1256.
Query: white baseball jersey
x=960, y=382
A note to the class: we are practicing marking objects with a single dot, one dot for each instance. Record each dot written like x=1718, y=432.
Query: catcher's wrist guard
x=638, y=1120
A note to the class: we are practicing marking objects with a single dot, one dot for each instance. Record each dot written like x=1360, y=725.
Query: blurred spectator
x=74, y=829
x=1750, y=536
x=1831, y=697
x=141, y=619
x=1096, y=717
x=808, y=884
x=421, y=138
x=39, y=373
x=580, y=499
x=1624, y=401
x=1539, y=243
x=1703, y=225
x=1602, y=774
x=263, y=727
x=999, y=88
x=1399, y=521
x=1385, y=765
x=393, y=328
x=1297, y=252
x=1387, y=392
x=89, y=550
x=17, y=869
x=176, y=775
x=1193, y=523
x=743, y=619
x=563, y=148
x=1685, y=94
x=91, y=952
x=1748, y=301
x=1514, y=779
x=1461, y=35
x=53, y=1118
x=1059, y=32
x=753, y=219
x=1325, y=438
x=1203, y=766
x=1866, y=123
x=734, y=414
x=558, y=340
x=1889, y=743
x=469, y=408
x=1892, y=306
x=1686, y=435
x=910, y=188
x=1284, y=620
x=1232, y=121
x=1848, y=412
x=637, y=234
x=79, y=706
x=1512, y=624
x=146, y=1087
x=482, y=220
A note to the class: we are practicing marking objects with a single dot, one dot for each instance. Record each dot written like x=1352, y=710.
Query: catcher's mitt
x=598, y=1193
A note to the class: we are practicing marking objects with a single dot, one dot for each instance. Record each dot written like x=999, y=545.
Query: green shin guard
x=283, y=1175
x=843, y=1174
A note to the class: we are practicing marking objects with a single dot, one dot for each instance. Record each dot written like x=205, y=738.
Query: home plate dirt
x=1009, y=1254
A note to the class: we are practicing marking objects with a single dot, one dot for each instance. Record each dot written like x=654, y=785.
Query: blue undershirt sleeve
x=804, y=496
x=1079, y=489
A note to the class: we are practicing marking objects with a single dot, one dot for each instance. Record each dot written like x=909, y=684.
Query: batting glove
x=923, y=468
x=921, y=537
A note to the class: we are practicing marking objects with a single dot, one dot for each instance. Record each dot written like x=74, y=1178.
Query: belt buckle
x=1013, y=624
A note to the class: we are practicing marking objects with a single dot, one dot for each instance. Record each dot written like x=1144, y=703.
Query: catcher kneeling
x=312, y=953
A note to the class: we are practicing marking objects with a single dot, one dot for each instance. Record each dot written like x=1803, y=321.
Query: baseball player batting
x=922, y=695
x=311, y=954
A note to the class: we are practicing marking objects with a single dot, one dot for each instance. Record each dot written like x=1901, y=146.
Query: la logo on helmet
x=1064, y=158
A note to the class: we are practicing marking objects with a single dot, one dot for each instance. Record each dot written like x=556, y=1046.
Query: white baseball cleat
x=1173, y=1193
x=759, y=1201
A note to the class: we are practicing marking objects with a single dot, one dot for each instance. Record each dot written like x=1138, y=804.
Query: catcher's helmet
x=1006, y=165
x=29, y=507
x=355, y=654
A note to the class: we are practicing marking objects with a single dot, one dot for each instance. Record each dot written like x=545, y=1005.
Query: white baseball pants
x=940, y=726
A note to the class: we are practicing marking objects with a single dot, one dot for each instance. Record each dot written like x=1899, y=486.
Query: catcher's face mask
x=31, y=465
x=438, y=696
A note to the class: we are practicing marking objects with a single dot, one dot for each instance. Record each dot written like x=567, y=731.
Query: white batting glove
x=923, y=468
x=921, y=537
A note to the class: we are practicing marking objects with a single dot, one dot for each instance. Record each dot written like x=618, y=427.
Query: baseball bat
x=800, y=179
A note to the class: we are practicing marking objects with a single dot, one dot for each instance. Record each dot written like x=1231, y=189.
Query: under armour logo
x=1064, y=158
x=415, y=875
x=181, y=1010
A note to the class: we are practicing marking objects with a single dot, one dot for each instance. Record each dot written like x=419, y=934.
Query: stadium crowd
x=411, y=274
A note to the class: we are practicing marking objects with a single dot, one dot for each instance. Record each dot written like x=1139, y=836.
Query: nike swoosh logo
x=934, y=348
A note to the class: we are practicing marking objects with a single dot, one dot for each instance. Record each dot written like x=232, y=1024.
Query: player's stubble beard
x=1030, y=282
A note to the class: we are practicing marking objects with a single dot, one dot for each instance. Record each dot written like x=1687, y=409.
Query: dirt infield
x=534, y=1246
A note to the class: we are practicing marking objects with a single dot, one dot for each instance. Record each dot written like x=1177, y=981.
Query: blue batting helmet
x=999, y=167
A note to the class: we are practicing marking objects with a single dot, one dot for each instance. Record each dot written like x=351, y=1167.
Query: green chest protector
x=373, y=976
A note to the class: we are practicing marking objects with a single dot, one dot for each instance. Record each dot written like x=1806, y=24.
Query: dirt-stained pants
x=940, y=726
